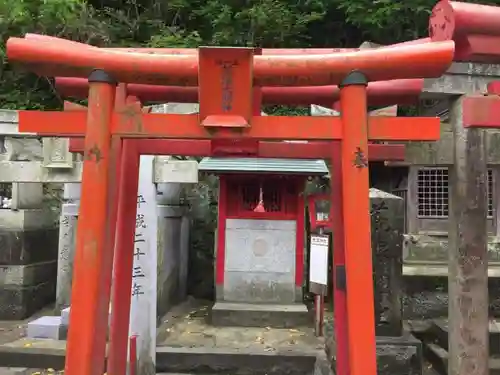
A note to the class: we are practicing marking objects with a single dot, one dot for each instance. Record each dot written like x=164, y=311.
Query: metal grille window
x=432, y=192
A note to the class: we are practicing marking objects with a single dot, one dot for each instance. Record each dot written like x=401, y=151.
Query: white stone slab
x=144, y=272
x=66, y=250
x=46, y=327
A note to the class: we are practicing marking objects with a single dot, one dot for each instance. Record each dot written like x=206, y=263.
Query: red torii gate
x=225, y=77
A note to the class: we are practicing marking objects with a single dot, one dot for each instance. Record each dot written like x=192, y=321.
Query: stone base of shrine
x=260, y=315
x=395, y=355
x=18, y=302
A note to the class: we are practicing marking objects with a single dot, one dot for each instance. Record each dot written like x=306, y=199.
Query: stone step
x=239, y=361
x=225, y=314
x=189, y=360
x=395, y=355
x=439, y=330
x=23, y=371
x=438, y=357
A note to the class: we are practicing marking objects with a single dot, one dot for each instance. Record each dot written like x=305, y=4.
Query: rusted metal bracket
x=340, y=278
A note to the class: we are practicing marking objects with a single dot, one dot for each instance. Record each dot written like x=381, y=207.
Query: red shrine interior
x=265, y=197
x=280, y=196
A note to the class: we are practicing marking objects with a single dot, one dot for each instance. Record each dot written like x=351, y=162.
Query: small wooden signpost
x=318, y=276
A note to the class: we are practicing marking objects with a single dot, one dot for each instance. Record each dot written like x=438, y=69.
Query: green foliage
x=191, y=23
x=391, y=21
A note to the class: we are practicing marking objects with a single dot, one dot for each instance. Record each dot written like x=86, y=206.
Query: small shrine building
x=260, y=239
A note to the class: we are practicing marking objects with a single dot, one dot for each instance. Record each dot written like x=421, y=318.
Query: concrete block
x=29, y=274
x=399, y=355
x=46, y=327
x=20, y=302
x=440, y=330
x=427, y=297
x=27, y=219
x=395, y=355
x=28, y=246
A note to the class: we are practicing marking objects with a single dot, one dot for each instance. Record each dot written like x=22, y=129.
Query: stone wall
x=28, y=262
x=440, y=152
x=28, y=238
x=173, y=242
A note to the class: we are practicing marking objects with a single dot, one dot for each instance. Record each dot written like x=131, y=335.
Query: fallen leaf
x=294, y=330
x=27, y=345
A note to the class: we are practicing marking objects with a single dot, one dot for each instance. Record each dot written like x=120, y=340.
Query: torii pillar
x=468, y=328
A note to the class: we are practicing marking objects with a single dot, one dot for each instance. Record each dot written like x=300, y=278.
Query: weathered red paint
x=494, y=88
x=481, y=111
x=382, y=93
x=191, y=51
x=473, y=27
x=124, y=258
x=93, y=257
x=339, y=293
x=357, y=241
x=172, y=126
x=194, y=51
x=311, y=150
x=118, y=343
x=133, y=356
x=230, y=103
x=49, y=59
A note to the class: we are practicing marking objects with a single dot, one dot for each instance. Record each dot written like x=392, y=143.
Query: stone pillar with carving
x=387, y=220
x=67, y=237
x=398, y=352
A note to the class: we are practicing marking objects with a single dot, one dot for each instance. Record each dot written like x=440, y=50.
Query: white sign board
x=318, y=260
x=144, y=273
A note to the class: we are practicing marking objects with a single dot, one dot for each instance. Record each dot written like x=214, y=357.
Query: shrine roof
x=263, y=165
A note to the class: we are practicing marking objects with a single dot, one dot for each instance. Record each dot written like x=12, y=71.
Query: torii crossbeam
x=226, y=78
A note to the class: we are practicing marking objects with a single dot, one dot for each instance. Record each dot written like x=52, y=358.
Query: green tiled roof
x=263, y=165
